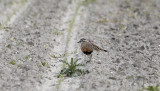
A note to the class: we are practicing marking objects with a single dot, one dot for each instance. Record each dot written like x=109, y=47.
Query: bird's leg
x=85, y=58
x=90, y=57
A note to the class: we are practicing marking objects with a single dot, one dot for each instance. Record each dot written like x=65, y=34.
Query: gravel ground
x=42, y=32
x=129, y=30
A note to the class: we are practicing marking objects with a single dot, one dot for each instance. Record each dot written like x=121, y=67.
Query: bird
x=87, y=47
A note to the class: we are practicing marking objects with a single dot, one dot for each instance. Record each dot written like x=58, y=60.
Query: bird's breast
x=86, y=50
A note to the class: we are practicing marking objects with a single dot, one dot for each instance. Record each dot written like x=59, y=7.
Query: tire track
x=9, y=21
x=67, y=41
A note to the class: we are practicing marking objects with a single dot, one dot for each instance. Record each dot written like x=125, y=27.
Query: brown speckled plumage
x=88, y=47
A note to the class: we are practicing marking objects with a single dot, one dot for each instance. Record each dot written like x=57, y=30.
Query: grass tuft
x=45, y=64
x=153, y=88
x=71, y=70
x=12, y=62
x=8, y=46
x=27, y=57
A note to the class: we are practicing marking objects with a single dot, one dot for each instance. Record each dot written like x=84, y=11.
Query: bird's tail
x=104, y=50
x=98, y=48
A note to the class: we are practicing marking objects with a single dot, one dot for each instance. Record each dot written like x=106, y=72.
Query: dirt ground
x=36, y=34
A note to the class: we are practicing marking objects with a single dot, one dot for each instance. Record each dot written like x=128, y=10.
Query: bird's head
x=82, y=40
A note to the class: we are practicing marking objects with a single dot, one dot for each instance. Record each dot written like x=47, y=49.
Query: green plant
x=8, y=46
x=12, y=62
x=153, y=88
x=59, y=56
x=61, y=78
x=53, y=56
x=41, y=76
x=45, y=64
x=122, y=27
x=6, y=28
x=71, y=69
x=87, y=2
x=57, y=32
x=129, y=77
x=27, y=57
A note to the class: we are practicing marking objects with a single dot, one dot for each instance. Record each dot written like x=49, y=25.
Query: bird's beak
x=78, y=41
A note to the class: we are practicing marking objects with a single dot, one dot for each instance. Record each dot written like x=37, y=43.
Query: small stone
x=31, y=43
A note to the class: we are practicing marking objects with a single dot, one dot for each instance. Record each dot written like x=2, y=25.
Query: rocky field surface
x=36, y=34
